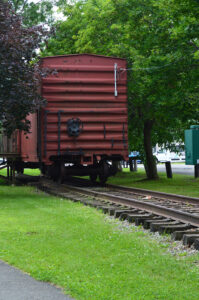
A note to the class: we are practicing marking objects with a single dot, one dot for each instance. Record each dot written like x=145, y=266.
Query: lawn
x=77, y=248
x=33, y=172
x=179, y=184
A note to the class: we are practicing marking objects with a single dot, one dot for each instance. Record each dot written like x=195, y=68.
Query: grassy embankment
x=75, y=247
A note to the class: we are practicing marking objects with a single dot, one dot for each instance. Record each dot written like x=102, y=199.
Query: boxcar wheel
x=93, y=178
x=43, y=169
x=20, y=171
x=61, y=175
x=19, y=167
x=102, y=179
x=104, y=172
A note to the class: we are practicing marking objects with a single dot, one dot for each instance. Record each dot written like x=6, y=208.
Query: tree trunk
x=150, y=165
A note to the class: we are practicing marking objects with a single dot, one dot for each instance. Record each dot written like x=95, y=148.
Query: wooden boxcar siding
x=9, y=146
x=83, y=86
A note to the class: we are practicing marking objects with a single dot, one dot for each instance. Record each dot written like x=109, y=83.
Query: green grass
x=72, y=246
x=179, y=184
x=33, y=172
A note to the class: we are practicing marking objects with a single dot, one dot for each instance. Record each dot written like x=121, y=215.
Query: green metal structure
x=192, y=145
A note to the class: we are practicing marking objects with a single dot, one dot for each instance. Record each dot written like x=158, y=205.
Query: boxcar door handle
x=115, y=76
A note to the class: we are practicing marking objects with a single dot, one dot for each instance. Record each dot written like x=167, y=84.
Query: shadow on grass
x=3, y=182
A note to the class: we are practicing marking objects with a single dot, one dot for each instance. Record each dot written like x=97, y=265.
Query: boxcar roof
x=81, y=54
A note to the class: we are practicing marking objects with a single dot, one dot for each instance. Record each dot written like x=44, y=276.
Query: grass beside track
x=179, y=184
x=73, y=246
x=33, y=172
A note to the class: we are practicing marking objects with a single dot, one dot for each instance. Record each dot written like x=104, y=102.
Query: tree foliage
x=34, y=13
x=160, y=41
x=19, y=92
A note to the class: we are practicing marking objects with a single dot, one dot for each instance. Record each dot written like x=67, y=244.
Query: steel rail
x=181, y=216
x=144, y=192
x=162, y=195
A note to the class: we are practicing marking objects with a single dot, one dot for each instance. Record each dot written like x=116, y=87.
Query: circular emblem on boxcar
x=74, y=127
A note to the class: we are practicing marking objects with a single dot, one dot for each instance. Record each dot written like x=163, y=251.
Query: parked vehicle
x=182, y=155
x=174, y=157
x=135, y=155
x=165, y=155
x=162, y=156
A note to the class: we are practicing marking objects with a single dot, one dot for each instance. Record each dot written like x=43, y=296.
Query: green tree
x=159, y=39
x=66, y=31
x=18, y=82
x=34, y=13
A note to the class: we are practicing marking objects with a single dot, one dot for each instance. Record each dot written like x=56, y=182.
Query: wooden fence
x=8, y=146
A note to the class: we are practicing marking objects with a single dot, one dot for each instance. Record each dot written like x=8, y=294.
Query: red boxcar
x=84, y=123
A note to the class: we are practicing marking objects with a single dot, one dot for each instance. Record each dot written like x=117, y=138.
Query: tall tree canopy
x=159, y=39
x=18, y=83
x=34, y=12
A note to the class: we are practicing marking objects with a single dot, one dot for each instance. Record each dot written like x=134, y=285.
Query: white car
x=182, y=156
x=162, y=156
x=166, y=155
x=174, y=157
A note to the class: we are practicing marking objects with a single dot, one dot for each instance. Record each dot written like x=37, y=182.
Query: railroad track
x=173, y=214
x=166, y=213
